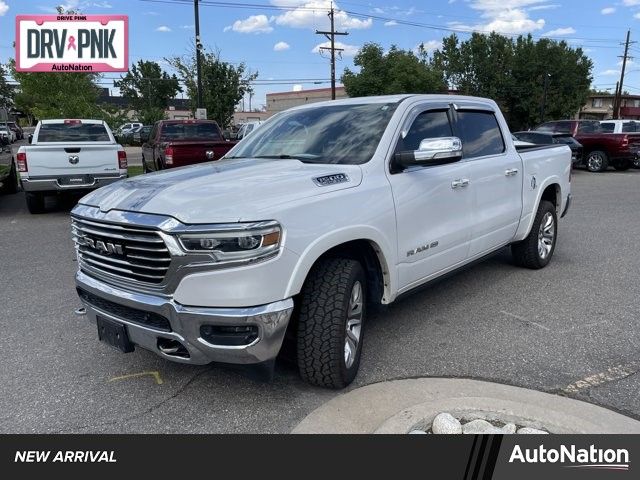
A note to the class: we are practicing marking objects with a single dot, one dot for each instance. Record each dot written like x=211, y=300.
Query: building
x=246, y=117
x=277, y=102
x=600, y=107
x=178, y=109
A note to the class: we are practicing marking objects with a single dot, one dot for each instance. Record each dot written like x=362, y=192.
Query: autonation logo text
x=573, y=457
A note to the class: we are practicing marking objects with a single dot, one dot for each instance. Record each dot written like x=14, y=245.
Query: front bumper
x=48, y=184
x=122, y=305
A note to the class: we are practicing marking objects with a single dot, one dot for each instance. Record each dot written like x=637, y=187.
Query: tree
x=514, y=72
x=149, y=90
x=224, y=84
x=6, y=91
x=397, y=71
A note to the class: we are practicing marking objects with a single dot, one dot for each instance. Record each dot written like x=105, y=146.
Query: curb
x=399, y=406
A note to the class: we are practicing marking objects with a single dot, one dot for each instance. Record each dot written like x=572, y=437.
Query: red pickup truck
x=601, y=149
x=176, y=143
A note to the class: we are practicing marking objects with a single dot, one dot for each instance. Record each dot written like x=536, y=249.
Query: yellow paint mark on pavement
x=612, y=374
x=155, y=375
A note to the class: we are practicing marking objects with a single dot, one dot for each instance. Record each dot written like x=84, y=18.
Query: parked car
x=8, y=175
x=7, y=133
x=68, y=156
x=620, y=126
x=247, y=128
x=141, y=135
x=544, y=138
x=17, y=130
x=127, y=128
x=175, y=143
x=601, y=149
x=325, y=210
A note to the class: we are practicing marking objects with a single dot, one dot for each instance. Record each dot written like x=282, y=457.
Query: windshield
x=341, y=134
x=190, y=131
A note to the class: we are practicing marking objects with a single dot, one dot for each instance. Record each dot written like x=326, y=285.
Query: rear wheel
x=622, y=165
x=35, y=202
x=536, y=250
x=331, y=317
x=10, y=185
x=597, y=161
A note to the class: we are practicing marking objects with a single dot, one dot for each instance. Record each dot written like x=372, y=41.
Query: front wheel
x=331, y=317
x=597, y=161
x=536, y=250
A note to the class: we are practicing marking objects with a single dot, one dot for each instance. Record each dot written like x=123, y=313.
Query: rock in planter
x=509, y=429
x=531, y=431
x=446, y=424
x=480, y=427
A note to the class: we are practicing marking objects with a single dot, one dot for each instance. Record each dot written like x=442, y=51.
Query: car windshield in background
x=73, y=132
x=341, y=134
x=190, y=131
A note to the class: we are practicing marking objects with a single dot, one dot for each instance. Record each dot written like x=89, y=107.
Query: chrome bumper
x=53, y=184
x=271, y=321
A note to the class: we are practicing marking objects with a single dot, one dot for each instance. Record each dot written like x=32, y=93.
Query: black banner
x=462, y=457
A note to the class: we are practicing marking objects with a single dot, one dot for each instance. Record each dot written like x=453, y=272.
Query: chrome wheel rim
x=546, y=235
x=636, y=163
x=595, y=162
x=353, y=325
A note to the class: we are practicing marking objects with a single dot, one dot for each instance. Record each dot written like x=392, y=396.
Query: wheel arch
x=372, y=253
x=550, y=190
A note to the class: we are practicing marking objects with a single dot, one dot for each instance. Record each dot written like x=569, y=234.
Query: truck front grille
x=120, y=252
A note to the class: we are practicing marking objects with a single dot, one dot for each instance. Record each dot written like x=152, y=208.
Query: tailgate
x=187, y=154
x=77, y=159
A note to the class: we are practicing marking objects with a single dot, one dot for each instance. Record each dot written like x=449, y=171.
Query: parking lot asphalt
x=544, y=330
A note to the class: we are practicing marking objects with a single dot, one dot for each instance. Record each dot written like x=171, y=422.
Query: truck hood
x=225, y=191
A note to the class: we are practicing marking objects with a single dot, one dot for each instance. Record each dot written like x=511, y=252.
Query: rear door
x=495, y=175
x=433, y=206
x=72, y=147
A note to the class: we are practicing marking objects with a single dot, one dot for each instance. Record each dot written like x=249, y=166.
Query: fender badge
x=534, y=183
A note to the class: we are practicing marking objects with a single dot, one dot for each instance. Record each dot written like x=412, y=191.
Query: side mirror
x=30, y=138
x=432, y=151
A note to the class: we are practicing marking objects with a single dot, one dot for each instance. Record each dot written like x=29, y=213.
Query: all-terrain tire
x=529, y=252
x=325, y=308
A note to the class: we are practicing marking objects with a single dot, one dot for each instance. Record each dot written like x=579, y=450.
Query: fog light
x=229, y=335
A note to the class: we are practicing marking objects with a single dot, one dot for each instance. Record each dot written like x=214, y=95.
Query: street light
x=198, y=53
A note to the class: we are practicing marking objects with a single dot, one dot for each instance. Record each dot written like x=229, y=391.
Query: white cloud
x=636, y=16
x=348, y=50
x=630, y=3
x=390, y=23
x=610, y=72
x=312, y=14
x=505, y=16
x=4, y=8
x=558, y=32
x=151, y=14
x=163, y=28
x=102, y=5
x=252, y=24
x=608, y=11
x=281, y=46
x=429, y=46
x=188, y=27
x=297, y=88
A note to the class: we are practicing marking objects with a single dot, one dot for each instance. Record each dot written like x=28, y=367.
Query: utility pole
x=618, y=100
x=198, y=53
x=331, y=36
x=543, y=107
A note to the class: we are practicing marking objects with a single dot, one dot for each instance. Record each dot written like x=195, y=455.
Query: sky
x=277, y=39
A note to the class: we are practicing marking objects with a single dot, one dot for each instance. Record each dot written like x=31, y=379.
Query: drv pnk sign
x=72, y=43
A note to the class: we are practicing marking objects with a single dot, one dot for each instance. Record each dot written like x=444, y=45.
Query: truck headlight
x=236, y=243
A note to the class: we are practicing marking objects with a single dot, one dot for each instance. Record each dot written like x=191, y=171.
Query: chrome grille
x=120, y=252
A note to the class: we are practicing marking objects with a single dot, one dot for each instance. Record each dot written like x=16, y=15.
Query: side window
x=608, y=127
x=432, y=124
x=480, y=134
x=629, y=127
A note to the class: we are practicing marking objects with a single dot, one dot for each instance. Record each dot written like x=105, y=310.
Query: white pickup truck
x=68, y=156
x=323, y=211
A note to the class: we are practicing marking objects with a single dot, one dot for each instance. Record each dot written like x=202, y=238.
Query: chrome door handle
x=511, y=172
x=460, y=183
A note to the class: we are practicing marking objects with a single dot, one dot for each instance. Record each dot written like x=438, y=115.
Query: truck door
x=433, y=203
x=495, y=175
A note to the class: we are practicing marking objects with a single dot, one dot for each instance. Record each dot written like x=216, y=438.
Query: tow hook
x=80, y=311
